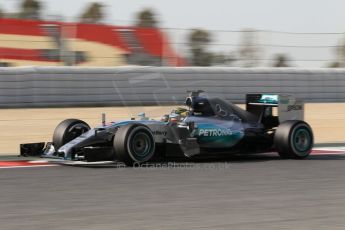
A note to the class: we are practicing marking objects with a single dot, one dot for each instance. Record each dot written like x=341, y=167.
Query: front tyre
x=293, y=139
x=67, y=130
x=134, y=144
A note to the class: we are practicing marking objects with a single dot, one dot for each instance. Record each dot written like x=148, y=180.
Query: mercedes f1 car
x=205, y=126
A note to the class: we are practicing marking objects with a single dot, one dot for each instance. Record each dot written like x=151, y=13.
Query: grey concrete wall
x=75, y=86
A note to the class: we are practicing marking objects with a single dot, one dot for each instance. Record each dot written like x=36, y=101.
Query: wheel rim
x=140, y=145
x=302, y=140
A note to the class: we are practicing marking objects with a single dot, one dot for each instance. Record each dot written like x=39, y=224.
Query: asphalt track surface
x=253, y=192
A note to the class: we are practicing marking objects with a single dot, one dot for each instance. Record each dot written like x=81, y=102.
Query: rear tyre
x=68, y=130
x=134, y=144
x=293, y=139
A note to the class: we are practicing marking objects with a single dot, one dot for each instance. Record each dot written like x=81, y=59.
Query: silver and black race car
x=205, y=126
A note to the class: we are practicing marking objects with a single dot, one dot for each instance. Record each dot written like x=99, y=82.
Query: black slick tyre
x=134, y=144
x=293, y=139
x=67, y=130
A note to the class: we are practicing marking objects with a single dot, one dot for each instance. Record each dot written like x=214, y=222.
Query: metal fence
x=262, y=48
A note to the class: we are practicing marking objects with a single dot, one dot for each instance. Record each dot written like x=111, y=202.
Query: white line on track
x=332, y=149
x=26, y=166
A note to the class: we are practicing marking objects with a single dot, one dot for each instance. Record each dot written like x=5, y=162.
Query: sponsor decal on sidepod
x=215, y=132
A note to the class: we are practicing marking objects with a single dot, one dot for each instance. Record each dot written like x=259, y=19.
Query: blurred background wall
x=29, y=36
x=141, y=86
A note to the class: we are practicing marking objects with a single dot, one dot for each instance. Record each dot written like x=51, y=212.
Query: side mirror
x=191, y=126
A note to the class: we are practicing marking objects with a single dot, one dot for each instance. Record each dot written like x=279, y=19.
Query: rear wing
x=289, y=108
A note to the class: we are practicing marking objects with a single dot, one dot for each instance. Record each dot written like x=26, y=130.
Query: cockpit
x=199, y=106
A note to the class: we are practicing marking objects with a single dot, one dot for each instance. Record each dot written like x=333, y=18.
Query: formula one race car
x=205, y=126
